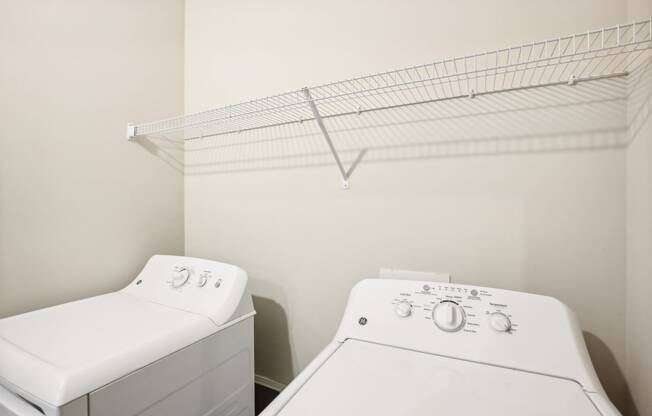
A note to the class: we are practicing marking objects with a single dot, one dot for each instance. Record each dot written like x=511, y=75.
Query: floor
x=264, y=396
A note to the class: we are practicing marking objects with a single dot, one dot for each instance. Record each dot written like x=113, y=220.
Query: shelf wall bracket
x=327, y=138
x=131, y=132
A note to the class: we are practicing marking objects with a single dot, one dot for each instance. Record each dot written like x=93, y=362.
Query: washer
x=423, y=348
x=178, y=340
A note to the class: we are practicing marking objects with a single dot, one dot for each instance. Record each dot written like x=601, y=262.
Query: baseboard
x=269, y=383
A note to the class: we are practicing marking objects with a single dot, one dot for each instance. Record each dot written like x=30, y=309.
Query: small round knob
x=403, y=309
x=180, y=277
x=449, y=316
x=201, y=282
x=500, y=322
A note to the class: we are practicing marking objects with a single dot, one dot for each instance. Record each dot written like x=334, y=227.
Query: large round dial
x=500, y=322
x=449, y=316
x=180, y=277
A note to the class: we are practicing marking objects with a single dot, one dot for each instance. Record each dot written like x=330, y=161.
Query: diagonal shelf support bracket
x=327, y=137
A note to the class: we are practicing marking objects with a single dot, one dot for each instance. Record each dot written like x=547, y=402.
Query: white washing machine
x=177, y=341
x=409, y=348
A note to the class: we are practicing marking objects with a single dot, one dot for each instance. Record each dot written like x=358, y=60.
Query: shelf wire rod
x=563, y=54
x=485, y=73
x=431, y=91
x=636, y=32
x=509, y=63
x=335, y=106
x=365, y=101
x=508, y=60
x=428, y=75
x=371, y=97
x=610, y=63
x=359, y=101
x=456, y=74
x=493, y=70
x=411, y=92
x=416, y=78
x=442, y=88
x=518, y=62
x=468, y=86
x=545, y=66
x=448, y=78
x=352, y=104
x=589, y=50
x=395, y=90
x=537, y=61
x=505, y=70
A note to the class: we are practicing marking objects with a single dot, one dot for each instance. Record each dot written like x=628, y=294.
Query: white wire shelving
x=594, y=55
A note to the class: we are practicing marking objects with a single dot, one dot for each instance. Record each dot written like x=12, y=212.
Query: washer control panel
x=195, y=285
x=501, y=327
x=457, y=308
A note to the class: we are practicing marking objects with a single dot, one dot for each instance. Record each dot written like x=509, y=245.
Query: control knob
x=180, y=277
x=500, y=322
x=403, y=309
x=449, y=316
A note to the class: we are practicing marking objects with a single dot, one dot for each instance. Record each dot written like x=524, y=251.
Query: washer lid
x=60, y=353
x=362, y=378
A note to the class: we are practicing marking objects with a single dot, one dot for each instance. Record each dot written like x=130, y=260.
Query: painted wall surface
x=639, y=262
x=81, y=209
x=544, y=222
x=638, y=336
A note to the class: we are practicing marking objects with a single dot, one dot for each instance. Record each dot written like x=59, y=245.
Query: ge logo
x=362, y=321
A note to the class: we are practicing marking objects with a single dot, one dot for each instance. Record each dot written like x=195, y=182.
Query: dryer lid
x=363, y=378
x=60, y=353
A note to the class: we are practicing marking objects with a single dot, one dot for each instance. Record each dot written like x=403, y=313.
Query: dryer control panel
x=194, y=285
x=500, y=327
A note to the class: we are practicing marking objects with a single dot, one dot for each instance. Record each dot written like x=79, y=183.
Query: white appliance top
x=504, y=328
x=60, y=353
x=363, y=378
x=426, y=348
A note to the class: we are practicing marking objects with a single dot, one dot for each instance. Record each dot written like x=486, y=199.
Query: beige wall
x=81, y=209
x=639, y=265
x=550, y=223
x=638, y=336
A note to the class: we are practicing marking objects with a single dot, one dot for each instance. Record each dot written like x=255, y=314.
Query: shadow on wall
x=610, y=374
x=640, y=96
x=170, y=152
x=272, y=341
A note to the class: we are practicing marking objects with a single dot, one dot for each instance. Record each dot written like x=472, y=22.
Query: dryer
x=421, y=349
x=178, y=340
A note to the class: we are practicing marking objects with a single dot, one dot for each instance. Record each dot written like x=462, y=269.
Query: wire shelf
x=609, y=52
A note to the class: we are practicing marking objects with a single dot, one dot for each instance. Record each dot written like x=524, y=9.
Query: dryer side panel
x=212, y=377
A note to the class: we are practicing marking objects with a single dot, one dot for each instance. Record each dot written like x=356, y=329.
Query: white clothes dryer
x=176, y=341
